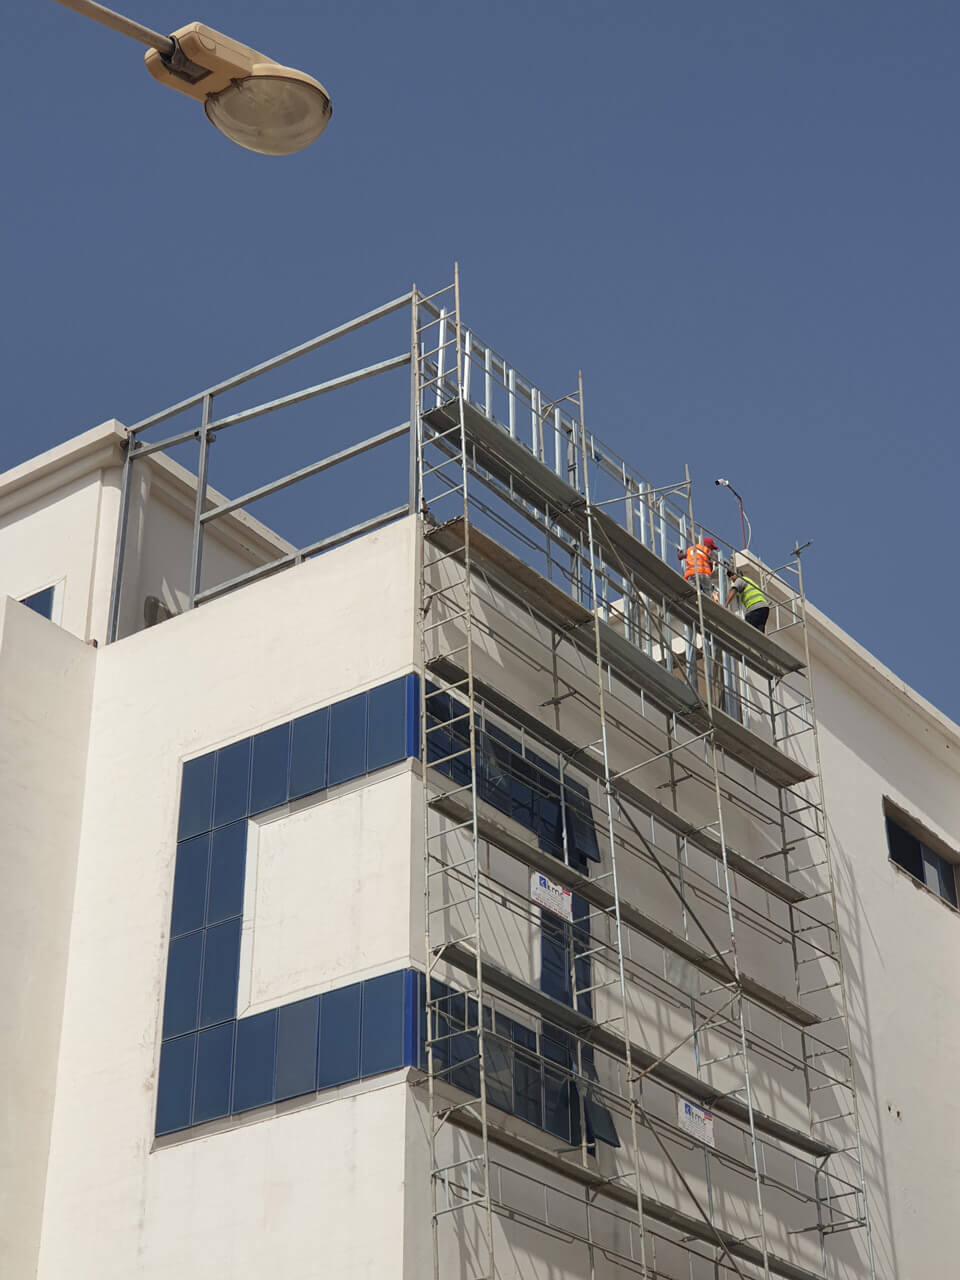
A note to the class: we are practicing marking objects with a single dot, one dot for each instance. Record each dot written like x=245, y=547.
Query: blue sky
x=739, y=219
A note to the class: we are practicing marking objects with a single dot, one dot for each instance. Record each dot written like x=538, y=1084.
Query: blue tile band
x=213, y=1064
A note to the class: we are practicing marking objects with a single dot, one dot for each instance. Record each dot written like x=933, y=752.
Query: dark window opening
x=920, y=861
x=41, y=602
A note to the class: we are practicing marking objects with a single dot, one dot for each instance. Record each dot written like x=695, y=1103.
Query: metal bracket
x=180, y=65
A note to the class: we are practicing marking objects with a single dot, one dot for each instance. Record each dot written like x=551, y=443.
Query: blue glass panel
x=555, y=958
x=271, y=768
x=256, y=1059
x=175, y=1086
x=437, y=1023
x=183, y=985
x=581, y=831
x=232, y=796
x=580, y=931
x=599, y=1121
x=221, y=957
x=226, y=872
x=557, y=1085
x=527, y=1076
x=386, y=724
x=190, y=885
x=498, y=1061
x=549, y=818
x=464, y=1049
x=522, y=794
x=445, y=739
x=214, y=1072
x=413, y=1018
x=413, y=716
x=196, y=796
x=41, y=602
x=381, y=1034
x=297, y=1027
x=496, y=770
x=348, y=739
x=308, y=756
x=339, y=1036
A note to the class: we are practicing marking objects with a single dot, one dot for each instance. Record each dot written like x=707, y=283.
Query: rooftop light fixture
x=259, y=104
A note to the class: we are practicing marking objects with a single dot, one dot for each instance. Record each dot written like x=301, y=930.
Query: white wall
x=46, y=684
x=58, y=526
x=301, y=639
x=337, y=871
x=58, y=516
x=902, y=954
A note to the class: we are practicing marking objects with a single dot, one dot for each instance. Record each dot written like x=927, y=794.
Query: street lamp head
x=725, y=483
x=273, y=112
x=257, y=103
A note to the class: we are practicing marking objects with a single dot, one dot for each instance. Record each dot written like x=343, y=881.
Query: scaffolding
x=694, y=1044
x=525, y=514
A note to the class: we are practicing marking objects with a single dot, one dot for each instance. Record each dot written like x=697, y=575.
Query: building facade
x=461, y=893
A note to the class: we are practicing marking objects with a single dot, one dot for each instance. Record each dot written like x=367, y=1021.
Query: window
x=910, y=850
x=42, y=602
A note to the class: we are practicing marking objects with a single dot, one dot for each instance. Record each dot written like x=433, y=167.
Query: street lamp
x=256, y=102
x=744, y=522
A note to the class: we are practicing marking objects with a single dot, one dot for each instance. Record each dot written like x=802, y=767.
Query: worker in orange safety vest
x=701, y=561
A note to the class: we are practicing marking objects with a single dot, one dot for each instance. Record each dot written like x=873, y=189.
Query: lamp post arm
x=125, y=26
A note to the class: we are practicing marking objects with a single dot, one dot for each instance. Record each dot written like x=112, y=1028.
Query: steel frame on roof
x=209, y=427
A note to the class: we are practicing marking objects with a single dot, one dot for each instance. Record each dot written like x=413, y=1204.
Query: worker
x=756, y=610
x=701, y=562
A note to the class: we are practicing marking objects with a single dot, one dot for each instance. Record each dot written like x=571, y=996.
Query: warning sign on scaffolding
x=695, y=1121
x=552, y=896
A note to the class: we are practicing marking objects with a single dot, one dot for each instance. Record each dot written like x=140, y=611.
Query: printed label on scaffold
x=552, y=896
x=695, y=1121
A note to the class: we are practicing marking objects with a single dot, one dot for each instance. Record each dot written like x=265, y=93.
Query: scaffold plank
x=519, y=580
x=562, y=1015
x=655, y=1210
x=515, y=466
x=631, y=664
x=511, y=838
x=626, y=791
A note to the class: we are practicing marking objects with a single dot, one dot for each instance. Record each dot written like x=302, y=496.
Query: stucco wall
x=46, y=684
x=259, y=657
x=902, y=956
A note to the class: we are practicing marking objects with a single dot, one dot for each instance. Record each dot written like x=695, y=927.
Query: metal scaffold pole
x=448, y=716
x=724, y=868
x=595, y=605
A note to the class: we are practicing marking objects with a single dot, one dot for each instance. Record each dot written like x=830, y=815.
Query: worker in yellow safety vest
x=756, y=609
x=701, y=562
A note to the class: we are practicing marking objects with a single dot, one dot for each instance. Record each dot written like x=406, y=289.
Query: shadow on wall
x=854, y=917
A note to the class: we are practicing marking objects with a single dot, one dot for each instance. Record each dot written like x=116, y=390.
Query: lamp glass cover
x=272, y=115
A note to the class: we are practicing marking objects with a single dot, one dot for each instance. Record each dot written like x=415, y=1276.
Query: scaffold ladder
x=596, y=605
x=452, y=886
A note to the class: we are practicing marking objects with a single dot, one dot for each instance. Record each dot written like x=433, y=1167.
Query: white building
x=226, y=873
